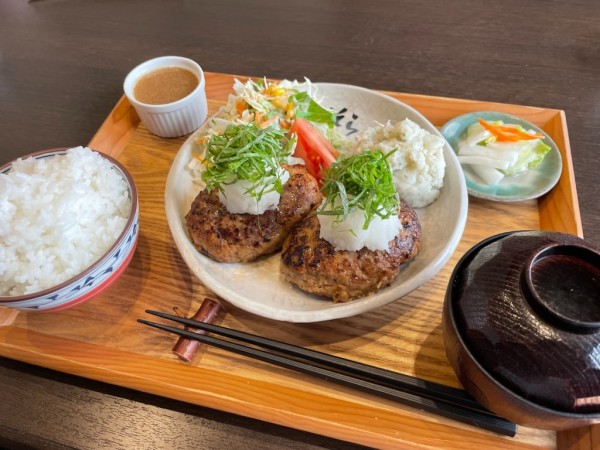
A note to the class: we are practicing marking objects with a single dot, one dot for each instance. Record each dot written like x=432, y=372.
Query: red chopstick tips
x=186, y=349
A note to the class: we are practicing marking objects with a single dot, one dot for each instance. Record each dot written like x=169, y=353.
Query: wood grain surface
x=62, y=64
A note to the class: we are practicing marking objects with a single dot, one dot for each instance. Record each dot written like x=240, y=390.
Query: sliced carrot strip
x=504, y=133
x=266, y=123
x=240, y=105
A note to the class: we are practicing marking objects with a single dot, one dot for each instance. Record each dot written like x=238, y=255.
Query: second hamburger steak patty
x=228, y=237
x=315, y=266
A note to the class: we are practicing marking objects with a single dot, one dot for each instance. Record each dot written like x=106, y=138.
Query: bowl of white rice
x=69, y=227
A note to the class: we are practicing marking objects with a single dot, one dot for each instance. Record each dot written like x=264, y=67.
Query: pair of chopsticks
x=418, y=393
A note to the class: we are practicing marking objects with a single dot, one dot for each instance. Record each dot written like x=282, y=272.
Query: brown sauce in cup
x=165, y=85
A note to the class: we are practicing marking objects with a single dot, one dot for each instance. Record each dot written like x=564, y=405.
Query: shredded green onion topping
x=247, y=152
x=361, y=181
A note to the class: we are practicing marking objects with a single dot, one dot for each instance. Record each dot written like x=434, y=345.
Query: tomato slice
x=311, y=164
x=316, y=151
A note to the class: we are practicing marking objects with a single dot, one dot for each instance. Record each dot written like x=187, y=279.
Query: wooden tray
x=102, y=340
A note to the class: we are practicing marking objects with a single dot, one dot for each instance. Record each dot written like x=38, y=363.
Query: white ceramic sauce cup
x=170, y=119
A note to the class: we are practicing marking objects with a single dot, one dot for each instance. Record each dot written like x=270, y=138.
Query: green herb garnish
x=308, y=109
x=247, y=152
x=362, y=181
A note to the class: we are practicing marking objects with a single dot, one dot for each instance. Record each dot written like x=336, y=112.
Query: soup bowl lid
x=527, y=307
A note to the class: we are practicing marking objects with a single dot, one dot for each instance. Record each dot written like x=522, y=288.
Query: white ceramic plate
x=258, y=288
x=533, y=184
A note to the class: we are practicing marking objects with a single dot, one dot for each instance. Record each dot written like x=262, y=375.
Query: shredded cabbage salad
x=264, y=102
x=267, y=104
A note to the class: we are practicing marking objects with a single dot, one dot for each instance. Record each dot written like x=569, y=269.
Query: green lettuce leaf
x=310, y=110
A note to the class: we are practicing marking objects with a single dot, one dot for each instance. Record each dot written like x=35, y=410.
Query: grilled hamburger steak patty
x=315, y=266
x=228, y=237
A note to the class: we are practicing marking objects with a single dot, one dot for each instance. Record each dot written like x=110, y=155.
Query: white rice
x=59, y=215
x=418, y=165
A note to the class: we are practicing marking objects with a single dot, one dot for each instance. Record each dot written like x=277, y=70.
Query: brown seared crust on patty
x=228, y=237
x=315, y=266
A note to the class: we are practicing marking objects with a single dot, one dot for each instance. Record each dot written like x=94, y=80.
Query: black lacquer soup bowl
x=522, y=327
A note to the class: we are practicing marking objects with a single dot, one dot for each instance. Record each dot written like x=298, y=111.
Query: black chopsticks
x=425, y=395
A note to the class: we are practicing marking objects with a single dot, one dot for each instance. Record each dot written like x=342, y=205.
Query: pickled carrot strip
x=504, y=133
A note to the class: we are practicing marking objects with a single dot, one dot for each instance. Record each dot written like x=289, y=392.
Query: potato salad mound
x=418, y=165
